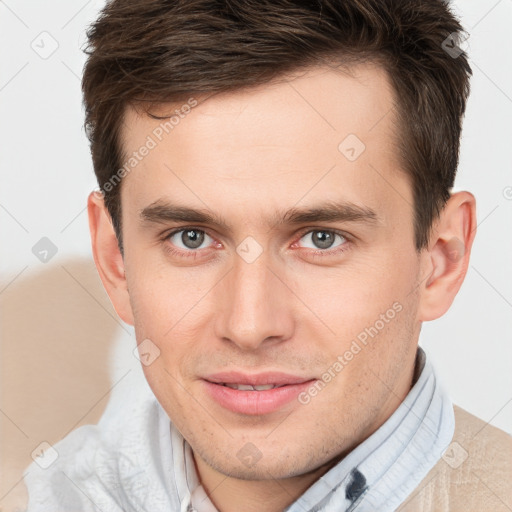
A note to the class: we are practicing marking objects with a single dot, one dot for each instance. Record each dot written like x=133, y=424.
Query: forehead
x=322, y=132
x=337, y=99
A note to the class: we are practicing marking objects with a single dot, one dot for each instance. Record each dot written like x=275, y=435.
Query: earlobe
x=447, y=258
x=108, y=257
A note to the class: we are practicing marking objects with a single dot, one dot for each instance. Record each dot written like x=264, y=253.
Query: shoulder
x=474, y=473
x=96, y=461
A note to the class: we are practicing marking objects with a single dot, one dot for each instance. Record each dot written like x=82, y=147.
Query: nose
x=254, y=306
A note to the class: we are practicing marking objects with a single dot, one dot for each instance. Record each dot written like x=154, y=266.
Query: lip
x=257, y=379
x=255, y=403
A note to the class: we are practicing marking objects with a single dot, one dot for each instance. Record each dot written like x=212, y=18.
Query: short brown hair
x=149, y=52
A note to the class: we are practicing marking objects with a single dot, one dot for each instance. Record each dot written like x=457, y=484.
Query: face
x=297, y=270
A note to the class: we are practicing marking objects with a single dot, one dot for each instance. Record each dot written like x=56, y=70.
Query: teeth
x=240, y=387
x=243, y=387
x=247, y=387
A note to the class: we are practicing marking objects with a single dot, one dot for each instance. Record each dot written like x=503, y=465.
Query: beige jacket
x=474, y=474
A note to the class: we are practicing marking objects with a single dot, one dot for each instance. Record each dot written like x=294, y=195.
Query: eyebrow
x=162, y=211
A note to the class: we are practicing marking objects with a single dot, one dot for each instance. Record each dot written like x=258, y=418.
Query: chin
x=275, y=463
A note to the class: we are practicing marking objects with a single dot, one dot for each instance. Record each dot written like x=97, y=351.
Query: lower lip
x=255, y=403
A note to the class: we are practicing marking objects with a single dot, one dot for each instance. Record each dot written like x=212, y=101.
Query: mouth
x=257, y=394
x=248, y=387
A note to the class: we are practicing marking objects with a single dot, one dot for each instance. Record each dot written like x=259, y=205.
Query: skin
x=246, y=157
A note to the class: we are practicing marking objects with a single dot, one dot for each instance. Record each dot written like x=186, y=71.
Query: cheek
x=161, y=295
x=367, y=370
x=169, y=310
x=349, y=299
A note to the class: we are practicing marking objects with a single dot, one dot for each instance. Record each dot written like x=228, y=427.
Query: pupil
x=192, y=238
x=323, y=239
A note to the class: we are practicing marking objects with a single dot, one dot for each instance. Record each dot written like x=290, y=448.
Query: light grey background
x=64, y=353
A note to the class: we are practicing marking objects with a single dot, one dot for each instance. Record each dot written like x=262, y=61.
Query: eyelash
x=312, y=252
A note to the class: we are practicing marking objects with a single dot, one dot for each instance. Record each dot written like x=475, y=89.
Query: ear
x=446, y=260
x=107, y=256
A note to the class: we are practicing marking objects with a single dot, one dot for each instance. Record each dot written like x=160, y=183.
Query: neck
x=230, y=494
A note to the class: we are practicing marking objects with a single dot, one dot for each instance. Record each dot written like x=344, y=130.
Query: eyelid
x=339, y=232
x=168, y=234
x=325, y=252
x=348, y=239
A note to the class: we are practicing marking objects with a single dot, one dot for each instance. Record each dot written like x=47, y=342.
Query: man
x=275, y=218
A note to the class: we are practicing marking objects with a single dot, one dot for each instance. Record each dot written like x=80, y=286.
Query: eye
x=188, y=238
x=323, y=239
